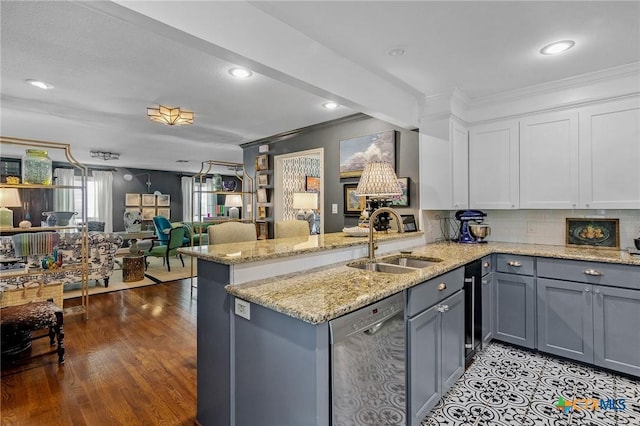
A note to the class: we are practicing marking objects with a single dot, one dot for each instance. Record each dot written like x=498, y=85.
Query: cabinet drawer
x=487, y=265
x=433, y=291
x=613, y=274
x=515, y=264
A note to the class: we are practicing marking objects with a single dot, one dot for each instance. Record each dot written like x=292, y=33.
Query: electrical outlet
x=243, y=309
x=334, y=208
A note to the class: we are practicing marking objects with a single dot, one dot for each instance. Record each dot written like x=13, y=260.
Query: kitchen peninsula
x=274, y=368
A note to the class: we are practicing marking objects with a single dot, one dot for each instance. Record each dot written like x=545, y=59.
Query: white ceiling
x=109, y=61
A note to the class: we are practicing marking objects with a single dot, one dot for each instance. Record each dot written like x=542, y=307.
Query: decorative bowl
x=229, y=185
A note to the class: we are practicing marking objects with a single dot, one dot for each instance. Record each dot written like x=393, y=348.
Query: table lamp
x=306, y=203
x=233, y=202
x=9, y=197
x=380, y=183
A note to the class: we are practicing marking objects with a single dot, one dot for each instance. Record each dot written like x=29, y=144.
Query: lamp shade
x=305, y=200
x=378, y=180
x=233, y=200
x=9, y=197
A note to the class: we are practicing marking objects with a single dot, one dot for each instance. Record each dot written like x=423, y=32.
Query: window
x=92, y=199
x=206, y=200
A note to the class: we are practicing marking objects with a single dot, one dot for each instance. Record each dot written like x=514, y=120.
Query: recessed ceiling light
x=182, y=161
x=40, y=84
x=396, y=52
x=557, y=47
x=238, y=72
x=330, y=105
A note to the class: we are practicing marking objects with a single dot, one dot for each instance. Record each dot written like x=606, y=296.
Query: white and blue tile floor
x=507, y=386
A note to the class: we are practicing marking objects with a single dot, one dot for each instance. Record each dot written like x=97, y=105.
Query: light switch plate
x=243, y=309
x=334, y=208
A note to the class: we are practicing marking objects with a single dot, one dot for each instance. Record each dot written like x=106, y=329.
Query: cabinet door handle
x=593, y=272
x=587, y=289
x=597, y=291
x=485, y=282
x=514, y=263
x=442, y=286
x=486, y=265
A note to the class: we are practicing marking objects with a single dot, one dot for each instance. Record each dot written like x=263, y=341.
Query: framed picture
x=409, y=223
x=164, y=211
x=353, y=204
x=403, y=199
x=312, y=184
x=163, y=200
x=263, y=195
x=262, y=212
x=131, y=199
x=263, y=230
x=601, y=233
x=263, y=180
x=262, y=162
x=148, y=213
x=356, y=152
x=148, y=200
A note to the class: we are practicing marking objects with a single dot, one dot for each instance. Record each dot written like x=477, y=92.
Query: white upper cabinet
x=493, y=166
x=549, y=161
x=444, y=173
x=610, y=155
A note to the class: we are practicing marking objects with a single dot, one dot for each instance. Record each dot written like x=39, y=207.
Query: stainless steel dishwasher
x=368, y=380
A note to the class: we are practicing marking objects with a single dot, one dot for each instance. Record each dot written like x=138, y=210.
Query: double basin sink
x=396, y=264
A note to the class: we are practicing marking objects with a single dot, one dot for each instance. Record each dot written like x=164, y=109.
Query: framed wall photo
x=163, y=200
x=131, y=199
x=409, y=223
x=148, y=200
x=356, y=152
x=164, y=211
x=601, y=233
x=262, y=162
x=262, y=212
x=312, y=184
x=263, y=180
x=148, y=213
x=262, y=230
x=403, y=199
x=353, y=204
x=262, y=195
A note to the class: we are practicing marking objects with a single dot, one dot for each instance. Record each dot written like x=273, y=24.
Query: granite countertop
x=321, y=294
x=253, y=251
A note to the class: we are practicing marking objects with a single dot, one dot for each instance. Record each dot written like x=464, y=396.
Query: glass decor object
x=36, y=167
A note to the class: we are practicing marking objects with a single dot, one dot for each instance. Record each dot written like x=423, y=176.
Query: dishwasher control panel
x=367, y=317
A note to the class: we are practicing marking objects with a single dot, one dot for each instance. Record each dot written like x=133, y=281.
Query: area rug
x=155, y=273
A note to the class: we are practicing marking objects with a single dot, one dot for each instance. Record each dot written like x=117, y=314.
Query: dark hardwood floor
x=132, y=363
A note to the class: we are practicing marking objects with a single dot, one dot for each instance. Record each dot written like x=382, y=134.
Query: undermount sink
x=411, y=262
x=382, y=267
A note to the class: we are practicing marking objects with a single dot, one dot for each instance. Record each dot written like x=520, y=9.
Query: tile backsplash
x=533, y=226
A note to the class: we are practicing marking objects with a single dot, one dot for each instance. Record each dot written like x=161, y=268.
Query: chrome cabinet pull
x=597, y=291
x=514, y=263
x=587, y=289
x=486, y=264
x=592, y=272
x=442, y=286
x=485, y=282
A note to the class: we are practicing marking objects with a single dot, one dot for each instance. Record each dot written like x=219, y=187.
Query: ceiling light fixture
x=40, y=84
x=241, y=73
x=104, y=155
x=330, y=105
x=557, y=47
x=170, y=116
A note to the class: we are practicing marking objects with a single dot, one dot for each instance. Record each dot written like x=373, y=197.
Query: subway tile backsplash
x=535, y=226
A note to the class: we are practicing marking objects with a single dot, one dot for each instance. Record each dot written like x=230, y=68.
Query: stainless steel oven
x=368, y=379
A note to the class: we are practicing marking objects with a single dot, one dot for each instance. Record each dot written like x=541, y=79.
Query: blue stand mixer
x=471, y=229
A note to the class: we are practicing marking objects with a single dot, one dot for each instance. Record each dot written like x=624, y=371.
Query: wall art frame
x=262, y=195
x=148, y=213
x=263, y=180
x=262, y=162
x=164, y=211
x=353, y=204
x=403, y=199
x=593, y=232
x=358, y=151
x=148, y=200
x=163, y=200
x=132, y=200
x=312, y=184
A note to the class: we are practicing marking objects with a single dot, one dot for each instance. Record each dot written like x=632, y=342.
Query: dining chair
x=292, y=228
x=170, y=249
x=232, y=232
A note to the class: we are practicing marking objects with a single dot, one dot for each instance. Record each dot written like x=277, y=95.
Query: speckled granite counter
x=235, y=253
x=321, y=294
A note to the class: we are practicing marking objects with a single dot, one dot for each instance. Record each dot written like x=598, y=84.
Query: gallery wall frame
x=312, y=184
x=262, y=195
x=131, y=199
x=148, y=200
x=163, y=200
x=263, y=180
x=262, y=162
x=593, y=232
x=148, y=213
x=164, y=211
x=358, y=151
x=402, y=200
x=353, y=204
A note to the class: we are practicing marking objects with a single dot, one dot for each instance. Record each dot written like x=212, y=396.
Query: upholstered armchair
x=175, y=241
x=162, y=226
x=232, y=232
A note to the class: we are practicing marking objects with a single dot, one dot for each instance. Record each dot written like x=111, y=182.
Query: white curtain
x=102, y=198
x=187, y=199
x=63, y=198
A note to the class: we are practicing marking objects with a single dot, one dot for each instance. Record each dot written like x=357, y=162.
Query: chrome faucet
x=372, y=244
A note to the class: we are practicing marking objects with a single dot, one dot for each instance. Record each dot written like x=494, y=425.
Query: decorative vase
x=229, y=185
x=37, y=167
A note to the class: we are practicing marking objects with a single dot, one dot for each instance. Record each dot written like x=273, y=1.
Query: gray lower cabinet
x=514, y=309
x=436, y=354
x=565, y=320
x=487, y=309
x=616, y=329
